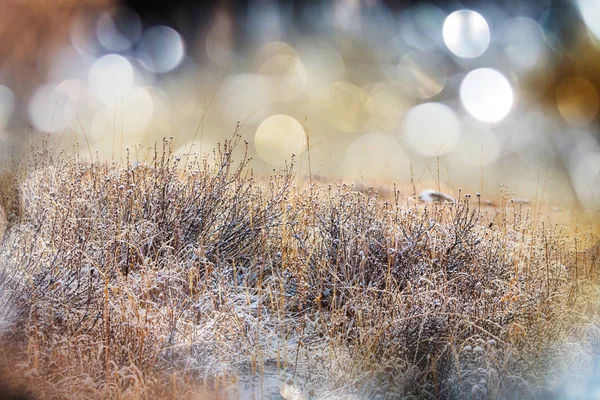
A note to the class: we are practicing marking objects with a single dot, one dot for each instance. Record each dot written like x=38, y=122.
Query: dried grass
x=181, y=277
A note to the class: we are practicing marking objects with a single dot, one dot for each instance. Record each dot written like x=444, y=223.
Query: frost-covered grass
x=181, y=278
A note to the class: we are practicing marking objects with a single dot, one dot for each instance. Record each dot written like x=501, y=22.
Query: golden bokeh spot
x=273, y=49
x=284, y=77
x=577, y=101
x=277, y=137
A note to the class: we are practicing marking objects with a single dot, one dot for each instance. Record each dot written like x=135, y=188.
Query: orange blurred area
x=31, y=31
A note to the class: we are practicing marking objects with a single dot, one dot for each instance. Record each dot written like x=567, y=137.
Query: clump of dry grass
x=10, y=199
x=181, y=277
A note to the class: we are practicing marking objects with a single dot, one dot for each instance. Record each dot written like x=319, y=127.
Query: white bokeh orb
x=161, y=49
x=50, y=110
x=486, y=94
x=466, y=33
x=111, y=78
x=278, y=137
x=431, y=129
x=590, y=12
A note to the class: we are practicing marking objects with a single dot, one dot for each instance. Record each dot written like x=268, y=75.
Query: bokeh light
x=125, y=122
x=83, y=101
x=278, y=137
x=111, y=78
x=118, y=29
x=431, y=129
x=590, y=12
x=161, y=49
x=50, y=110
x=466, y=33
x=577, y=100
x=284, y=76
x=486, y=94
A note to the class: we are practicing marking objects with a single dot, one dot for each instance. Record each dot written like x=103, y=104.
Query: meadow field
x=190, y=277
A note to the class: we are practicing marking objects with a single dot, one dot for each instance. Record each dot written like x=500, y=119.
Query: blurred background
x=471, y=94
